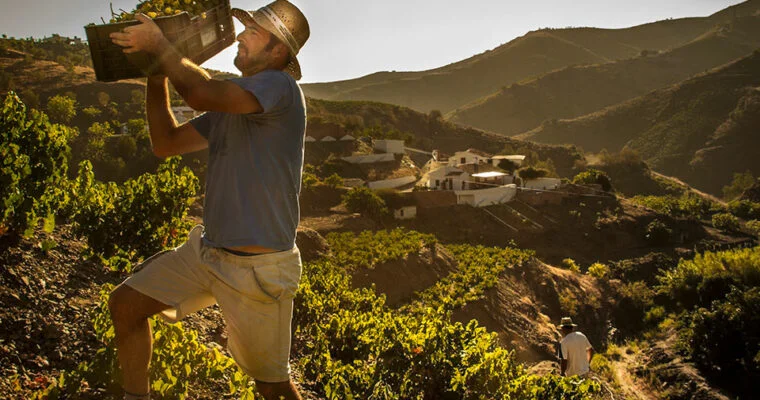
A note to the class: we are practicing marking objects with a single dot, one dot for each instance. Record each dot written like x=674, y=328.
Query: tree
x=508, y=165
x=364, y=201
x=61, y=109
x=593, y=176
x=740, y=183
x=532, y=173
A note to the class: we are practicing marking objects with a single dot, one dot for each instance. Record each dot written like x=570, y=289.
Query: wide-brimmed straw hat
x=566, y=322
x=286, y=22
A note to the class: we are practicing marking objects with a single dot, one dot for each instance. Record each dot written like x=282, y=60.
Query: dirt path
x=630, y=386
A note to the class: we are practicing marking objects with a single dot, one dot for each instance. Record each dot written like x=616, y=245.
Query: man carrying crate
x=244, y=257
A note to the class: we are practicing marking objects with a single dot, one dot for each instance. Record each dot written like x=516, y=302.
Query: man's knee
x=128, y=306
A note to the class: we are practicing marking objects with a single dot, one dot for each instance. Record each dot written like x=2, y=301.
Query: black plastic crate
x=198, y=38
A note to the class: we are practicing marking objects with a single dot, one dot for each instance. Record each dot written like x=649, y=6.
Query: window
x=401, y=212
x=463, y=160
x=437, y=182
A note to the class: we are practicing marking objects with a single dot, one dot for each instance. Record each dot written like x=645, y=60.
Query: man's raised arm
x=192, y=82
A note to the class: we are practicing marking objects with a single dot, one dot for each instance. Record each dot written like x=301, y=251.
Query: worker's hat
x=566, y=322
x=286, y=22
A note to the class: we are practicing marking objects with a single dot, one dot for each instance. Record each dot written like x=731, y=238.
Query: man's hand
x=146, y=36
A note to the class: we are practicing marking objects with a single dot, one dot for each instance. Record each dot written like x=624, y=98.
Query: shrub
x=688, y=205
x=365, y=201
x=137, y=218
x=569, y=264
x=61, y=109
x=598, y=270
x=33, y=171
x=308, y=180
x=657, y=233
x=739, y=184
x=744, y=209
x=532, y=173
x=334, y=180
x=723, y=339
x=593, y=176
x=754, y=227
x=725, y=222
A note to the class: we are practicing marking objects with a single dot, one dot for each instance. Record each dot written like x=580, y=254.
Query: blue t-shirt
x=254, y=166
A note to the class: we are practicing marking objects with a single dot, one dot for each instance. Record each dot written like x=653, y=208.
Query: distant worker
x=244, y=257
x=575, y=350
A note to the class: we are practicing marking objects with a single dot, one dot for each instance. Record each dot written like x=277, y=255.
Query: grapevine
x=161, y=8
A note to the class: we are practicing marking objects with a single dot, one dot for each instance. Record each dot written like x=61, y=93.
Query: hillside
x=700, y=130
x=531, y=55
x=579, y=90
x=428, y=131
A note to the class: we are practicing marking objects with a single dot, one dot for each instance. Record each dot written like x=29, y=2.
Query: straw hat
x=566, y=322
x=286, y=22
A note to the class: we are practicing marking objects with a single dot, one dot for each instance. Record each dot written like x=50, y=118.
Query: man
x=244, y=258
x=575, y=350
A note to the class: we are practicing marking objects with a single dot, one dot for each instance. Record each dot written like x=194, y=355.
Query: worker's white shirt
x=574, y=350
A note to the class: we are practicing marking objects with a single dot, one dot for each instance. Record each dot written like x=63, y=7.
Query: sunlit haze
x=352, y=38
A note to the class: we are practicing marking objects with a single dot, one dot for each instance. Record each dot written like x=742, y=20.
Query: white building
x=389, y=146
x=391, y=183
x=406, y=212
x=469, y=156
x=542, y=183
x=487, y=197
x=369, y=158
x=446, y=178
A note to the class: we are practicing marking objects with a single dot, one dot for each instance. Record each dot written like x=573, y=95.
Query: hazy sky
x=352, y=38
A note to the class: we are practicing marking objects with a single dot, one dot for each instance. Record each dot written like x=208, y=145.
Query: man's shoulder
x=271, y=75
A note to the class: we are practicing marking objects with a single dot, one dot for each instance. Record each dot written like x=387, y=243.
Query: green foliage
x=532, y=173
x=745, y=209
x=570, y=264
x=355, y=347
x=738, y=185
x=689, y=205
x=139, y=217
x=724, y=339
x=754, y=227
x=598, y=270
x=657, y=233
x=368, y=249
x=363, y=200
x=178, y=361
x=333, y=180
x=593, y=176
x=709, y=276
x=34, y=156
x=159, y=8
x=61, y=109
x=478, y=269
x=725, y=222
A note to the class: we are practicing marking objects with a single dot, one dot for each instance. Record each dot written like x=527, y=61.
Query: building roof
x=479, y=152
x=489, y=174
x=480, y=168
x=512, y=157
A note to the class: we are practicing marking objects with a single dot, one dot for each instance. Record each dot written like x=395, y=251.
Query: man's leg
x=275, y=391
x=130, y=311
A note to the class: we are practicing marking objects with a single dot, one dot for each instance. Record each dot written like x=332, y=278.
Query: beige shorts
x=255, y=294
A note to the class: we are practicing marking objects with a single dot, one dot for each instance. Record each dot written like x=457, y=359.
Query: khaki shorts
x=255, y=294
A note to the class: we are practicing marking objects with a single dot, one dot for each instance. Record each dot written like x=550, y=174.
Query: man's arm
x=562, y=366
x=192, y=82
x=590, y=352
x=166, y=138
